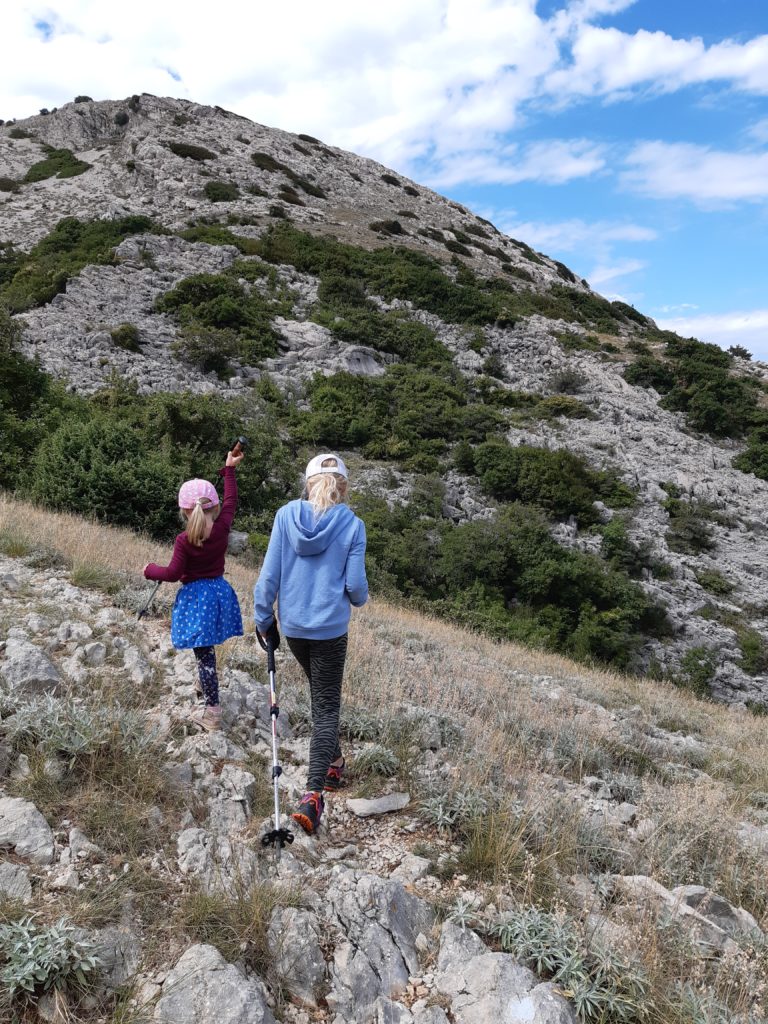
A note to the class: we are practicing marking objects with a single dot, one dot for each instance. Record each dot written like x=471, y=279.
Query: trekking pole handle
x=239, y=446
x=266, y=645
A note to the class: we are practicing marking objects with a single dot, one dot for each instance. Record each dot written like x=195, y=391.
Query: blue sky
x=628, y=138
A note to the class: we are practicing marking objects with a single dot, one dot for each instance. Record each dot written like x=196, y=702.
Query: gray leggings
x=323, y=664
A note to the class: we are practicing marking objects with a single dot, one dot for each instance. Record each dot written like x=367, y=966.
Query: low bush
x=558, y=481
x=126, y=336
x=8, y=185
x=689, y=531
x=61, y=163
x=121, y=118
x=221, y=191
x=189, y=152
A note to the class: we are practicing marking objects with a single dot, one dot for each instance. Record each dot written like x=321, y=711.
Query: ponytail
x=196, y=524
x=326, y=490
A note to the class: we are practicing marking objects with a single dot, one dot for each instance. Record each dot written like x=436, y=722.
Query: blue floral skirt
x=206, y=612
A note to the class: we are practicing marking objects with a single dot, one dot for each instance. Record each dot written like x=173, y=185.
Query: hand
x=234, y=460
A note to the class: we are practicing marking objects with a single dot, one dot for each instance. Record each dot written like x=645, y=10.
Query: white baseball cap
x=315, y=466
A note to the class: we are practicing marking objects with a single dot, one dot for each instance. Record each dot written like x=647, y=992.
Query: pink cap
x=194, y=492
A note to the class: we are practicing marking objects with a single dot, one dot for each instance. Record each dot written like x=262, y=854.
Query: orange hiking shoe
x=334, y=780
x=310, y=812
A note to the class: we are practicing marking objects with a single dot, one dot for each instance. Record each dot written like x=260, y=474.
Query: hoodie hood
x=310, y=536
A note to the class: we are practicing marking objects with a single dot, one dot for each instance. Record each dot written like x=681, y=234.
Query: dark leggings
x=323, y=664
x=206, y=669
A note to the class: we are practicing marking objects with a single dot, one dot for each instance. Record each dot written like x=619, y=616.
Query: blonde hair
x=197, y=519
x=324, y=490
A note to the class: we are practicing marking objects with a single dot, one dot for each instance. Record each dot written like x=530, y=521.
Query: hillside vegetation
x=555, y=801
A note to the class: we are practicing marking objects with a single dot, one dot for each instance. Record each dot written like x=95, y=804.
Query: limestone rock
x=381, y=805
x=734, y=921
x=204, y=988
x=484, y=986
x=379, y=922
x=14, y=881
x=27, y=669
x=25, y=830
x=294, y=936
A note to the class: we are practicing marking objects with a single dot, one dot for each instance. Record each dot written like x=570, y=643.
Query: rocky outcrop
x=204, y=988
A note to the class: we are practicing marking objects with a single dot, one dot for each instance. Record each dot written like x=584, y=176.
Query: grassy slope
x=537, y=724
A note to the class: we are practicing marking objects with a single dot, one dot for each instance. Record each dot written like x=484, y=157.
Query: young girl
x=315, y=567
x=206, y=611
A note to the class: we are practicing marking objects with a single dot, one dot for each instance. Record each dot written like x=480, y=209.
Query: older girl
x=315, y=568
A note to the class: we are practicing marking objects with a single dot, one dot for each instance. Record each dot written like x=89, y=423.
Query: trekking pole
x=146, y=607
x=278, y=836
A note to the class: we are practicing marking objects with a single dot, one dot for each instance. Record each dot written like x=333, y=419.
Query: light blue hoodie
x=316, y=570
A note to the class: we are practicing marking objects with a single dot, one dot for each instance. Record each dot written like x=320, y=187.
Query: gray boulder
x=484, y=986
x=294, y=938
x=380, y=923
x=14, y=882
x=27, y=669
x=237, y=542
x=733, y=920
x=203, y=988
x=25, y=830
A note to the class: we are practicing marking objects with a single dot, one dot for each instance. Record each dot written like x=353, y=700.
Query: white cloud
x=759, y=131
x=574, y=235
x=604, y=273
x=705, y=176
x=608, y=62
x=748, y=328
x=553, y=162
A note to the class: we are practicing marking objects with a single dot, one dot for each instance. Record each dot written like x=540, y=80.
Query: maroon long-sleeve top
x=207, y=562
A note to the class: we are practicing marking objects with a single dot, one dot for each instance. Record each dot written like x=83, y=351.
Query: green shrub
x=689, y=531
x=697, y=670
x=221, y=191
x=559, y=481
x=754, y=653
x=390, y=179
x=406, y=274
x=208, y=349
x=714, y=582
x=218, y=314
x=739, y=352
x=32, y=279
x=647, y=372
x=83, y=99
x=59, y=162
x=387, y=227
x=573, y=342
x=603, y=985
x=567, y=381
x=190, y=152
x=121, y=119
x=126, y=336
x=20, y=133
x=8, y=185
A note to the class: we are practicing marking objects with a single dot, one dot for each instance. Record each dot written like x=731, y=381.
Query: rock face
x=24, y=830
x=204, y=988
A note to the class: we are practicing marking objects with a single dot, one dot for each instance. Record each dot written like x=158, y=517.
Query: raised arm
x=229, y=504
x=268, y=583
x=356, y=583
x=175, y=569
